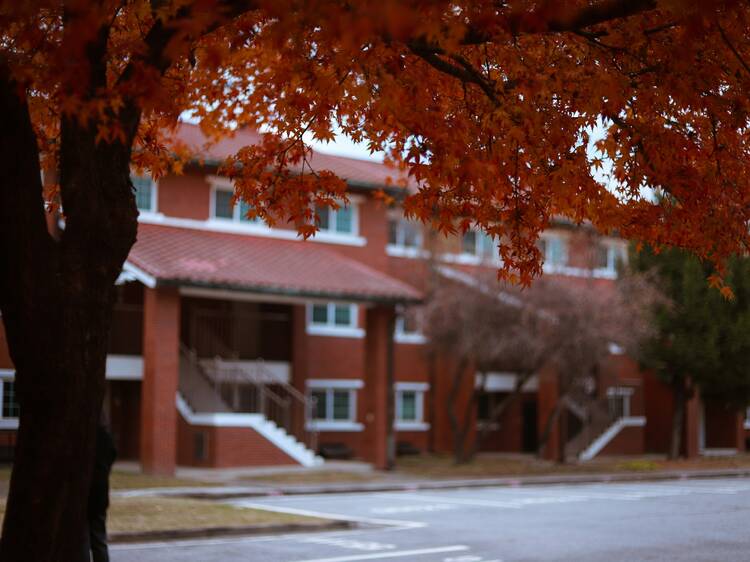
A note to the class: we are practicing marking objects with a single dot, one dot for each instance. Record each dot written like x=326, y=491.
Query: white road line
x=337, y=516
x=398, y=554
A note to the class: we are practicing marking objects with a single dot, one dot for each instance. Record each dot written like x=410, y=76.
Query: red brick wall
x=125, y=414
x=630, y=441
x=724, y=426
x=185, y=196
x=658, y=405
x=5, y=362
x=228, y=447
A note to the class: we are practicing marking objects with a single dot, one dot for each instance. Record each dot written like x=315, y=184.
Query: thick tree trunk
x=56, y=302
x=678, y=418
x=457, y=428
x=549, y=424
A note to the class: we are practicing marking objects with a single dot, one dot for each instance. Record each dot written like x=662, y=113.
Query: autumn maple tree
x=504, y=114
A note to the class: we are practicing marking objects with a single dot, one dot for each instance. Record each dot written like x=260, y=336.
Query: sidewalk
x=400, y=483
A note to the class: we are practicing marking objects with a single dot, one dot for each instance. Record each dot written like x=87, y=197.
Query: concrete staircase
x=200, y=403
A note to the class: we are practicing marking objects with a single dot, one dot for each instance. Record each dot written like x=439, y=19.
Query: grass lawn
x=159, y=514
x=442, y=466
x=314, y=477
x=122, y=480
x=129, y=515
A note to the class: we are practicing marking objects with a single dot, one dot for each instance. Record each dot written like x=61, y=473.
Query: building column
x=299, y=361
x=377, y=395
x=161, y=373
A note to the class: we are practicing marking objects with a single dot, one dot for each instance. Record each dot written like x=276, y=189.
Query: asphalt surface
x=696, y=520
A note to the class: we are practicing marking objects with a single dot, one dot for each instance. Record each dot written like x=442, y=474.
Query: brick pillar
x=299, y=359
x=692, y=428
x=377, y=395
x=161, y=369
x=547, y=397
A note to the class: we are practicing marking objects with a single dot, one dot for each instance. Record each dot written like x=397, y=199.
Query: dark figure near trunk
x=104, y=457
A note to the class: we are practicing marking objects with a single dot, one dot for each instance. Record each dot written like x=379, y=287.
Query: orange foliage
x=505, y=114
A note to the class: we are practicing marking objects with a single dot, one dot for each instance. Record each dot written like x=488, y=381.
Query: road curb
x=509, y=481
x=211, y=532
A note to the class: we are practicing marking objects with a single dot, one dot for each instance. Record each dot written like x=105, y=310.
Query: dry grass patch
x=313, y=477
x=162, y=514
x=135, y=515
x=488, y=466
x=120, y=480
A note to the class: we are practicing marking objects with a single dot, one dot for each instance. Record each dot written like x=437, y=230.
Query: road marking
x=337, y=516
x=350, y=543
x=397, y=554
x=412, y=508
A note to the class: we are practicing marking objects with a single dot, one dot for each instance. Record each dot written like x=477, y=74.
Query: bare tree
x=485, y=325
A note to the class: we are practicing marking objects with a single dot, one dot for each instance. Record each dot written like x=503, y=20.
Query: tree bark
x=551, y=419
x=678, y=418
x=457, y=429
x=56, y=300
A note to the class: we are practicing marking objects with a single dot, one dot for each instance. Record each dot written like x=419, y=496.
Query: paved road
x=696, y=520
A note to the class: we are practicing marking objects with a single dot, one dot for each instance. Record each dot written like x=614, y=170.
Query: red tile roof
x=199, y=258
x=366, y=173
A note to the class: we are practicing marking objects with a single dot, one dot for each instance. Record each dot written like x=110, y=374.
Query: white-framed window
x=334, y=406
x=225, y=209
x=334, y=319
x=618, y=400
x=479, y=244
x=607, y=256
x=409, y=403
x=408, y=328
x=554, y=250
x=145, y=193
x=9, y=408
x=404, y=236
x=341, y=221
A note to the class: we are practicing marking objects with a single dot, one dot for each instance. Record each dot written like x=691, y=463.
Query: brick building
x=234, y=343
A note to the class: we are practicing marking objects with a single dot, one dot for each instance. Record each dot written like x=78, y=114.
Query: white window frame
x=330, y=386
x=236, y=218
x=330, y=328
x=615, y=251
x=418, y=424
x=478, y=252
x=401, y=336
x=624, y=392
x=399, y=249
x=154, y=194
x=548, y=267
x=353, y=206
x=466, y=258
x=10, y=376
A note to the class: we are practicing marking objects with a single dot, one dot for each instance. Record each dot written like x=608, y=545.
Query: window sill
x=410, y=338
x=471, y=259
x=396, y=251
x=324, y=425
x=411, y=426
x=339, y=238
x=335, y=331
x=8, y=423
x=251, y=229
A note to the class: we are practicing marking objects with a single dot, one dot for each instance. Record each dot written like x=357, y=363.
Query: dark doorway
x=529, y=437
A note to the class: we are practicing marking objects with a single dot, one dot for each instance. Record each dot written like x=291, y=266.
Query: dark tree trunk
x=497, y=413
x=549, y=424
x=678, y=418
x=56, y=299
x=458, y=428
